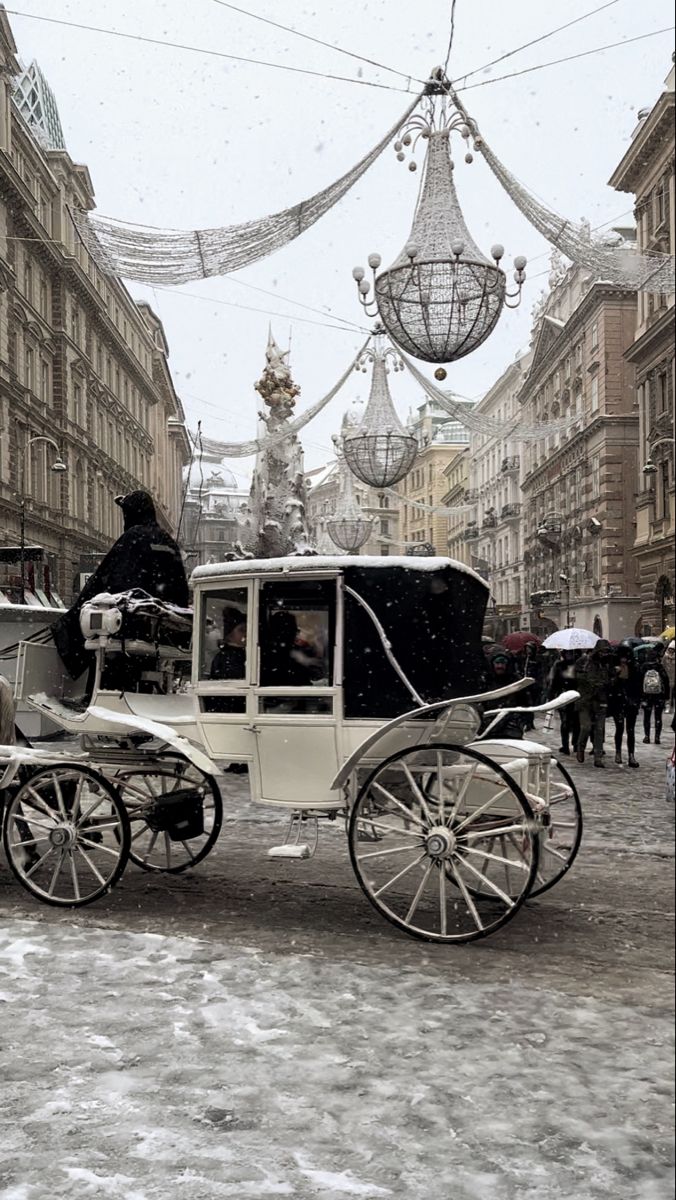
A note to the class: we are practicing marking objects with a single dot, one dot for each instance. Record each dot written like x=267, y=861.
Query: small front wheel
x=175, y=811
x=66, y=835
x=458, y=842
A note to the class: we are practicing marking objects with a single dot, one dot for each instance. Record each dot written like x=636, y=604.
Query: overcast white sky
x=179, y=139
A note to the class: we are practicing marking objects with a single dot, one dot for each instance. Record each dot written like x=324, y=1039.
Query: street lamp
x=566, y=583
x=649, y=467
x=58, y=466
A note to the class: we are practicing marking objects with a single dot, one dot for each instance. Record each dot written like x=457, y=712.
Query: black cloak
x=143, y=557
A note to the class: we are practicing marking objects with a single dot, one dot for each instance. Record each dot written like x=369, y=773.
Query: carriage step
x=297, y=850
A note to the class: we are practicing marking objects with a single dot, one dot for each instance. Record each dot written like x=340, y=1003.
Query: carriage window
x=223, y=635
x=296, y=633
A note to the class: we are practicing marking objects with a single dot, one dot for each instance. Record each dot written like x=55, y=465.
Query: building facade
x=215, y=514
x=578, y=485
x=80, y=362
x=647, y=172
x=423, y=489
x=456, y=474
x=494, y=534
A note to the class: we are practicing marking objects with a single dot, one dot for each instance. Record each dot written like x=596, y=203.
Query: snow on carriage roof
x=322, y=562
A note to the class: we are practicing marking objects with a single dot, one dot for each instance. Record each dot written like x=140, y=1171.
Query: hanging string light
x=349, y=529
x=380, y=452
x=441, y=298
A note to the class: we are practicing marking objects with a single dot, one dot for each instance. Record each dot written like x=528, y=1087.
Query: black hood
x=137, y=509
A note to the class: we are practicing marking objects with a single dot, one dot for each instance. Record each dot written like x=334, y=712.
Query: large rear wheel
x=458, y=843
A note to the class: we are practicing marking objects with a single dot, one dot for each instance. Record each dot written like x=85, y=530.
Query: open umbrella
x=516, y=642
x=669, y=633
x=571, y=639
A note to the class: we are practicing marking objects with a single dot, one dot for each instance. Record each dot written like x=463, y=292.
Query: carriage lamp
x=99, y=623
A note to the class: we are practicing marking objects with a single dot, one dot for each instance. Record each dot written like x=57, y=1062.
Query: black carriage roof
x=307, y=563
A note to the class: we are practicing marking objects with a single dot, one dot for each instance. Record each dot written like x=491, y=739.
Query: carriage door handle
x=252, y=728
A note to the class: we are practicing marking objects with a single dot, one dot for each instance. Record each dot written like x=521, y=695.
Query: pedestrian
x=655, y=693
x=593, y=676
x=562, y=679
x=503, y=670
x=669, y=663
x=624, y=703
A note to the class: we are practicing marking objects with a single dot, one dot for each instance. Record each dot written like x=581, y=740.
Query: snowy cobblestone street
x=253, y=1029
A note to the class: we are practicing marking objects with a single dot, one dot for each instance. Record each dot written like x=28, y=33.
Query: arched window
x=598, y=626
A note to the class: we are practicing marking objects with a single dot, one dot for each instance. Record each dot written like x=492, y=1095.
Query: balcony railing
x=471, y=495
x=510, y=511
x=509, y=465
x=471, y=534
x=490, y=521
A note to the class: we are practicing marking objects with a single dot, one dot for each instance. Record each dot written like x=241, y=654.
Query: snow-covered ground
x=145, y=1067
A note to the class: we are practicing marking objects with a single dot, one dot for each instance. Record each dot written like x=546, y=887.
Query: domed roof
x=210, y=474
x=452, y=433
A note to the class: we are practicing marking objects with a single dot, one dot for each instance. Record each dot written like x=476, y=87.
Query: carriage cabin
x=297, y=660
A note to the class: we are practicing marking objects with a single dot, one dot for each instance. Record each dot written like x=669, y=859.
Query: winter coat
x=593, y=678
x=143, y=557
x=561, y=679
x=625, y=691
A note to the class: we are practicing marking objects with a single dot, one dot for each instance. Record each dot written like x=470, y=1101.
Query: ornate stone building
x=80, y=362
x=494, y=533
x=647, y=171
x=215, y=511
x=456, y=474
x=439, y=439
x=578, y=486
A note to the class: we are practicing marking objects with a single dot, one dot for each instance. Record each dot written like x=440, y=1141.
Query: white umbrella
x=571, y=639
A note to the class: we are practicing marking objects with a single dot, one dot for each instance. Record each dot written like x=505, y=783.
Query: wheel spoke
x=31, y=821
x=39, y=862
x=494, y=831
x=151, y=846
x=39, y=803
x=393, y=799
x=389, y=828
x=443, y=914
x=56, y=873
x=92, y=808
x=167, y=850
x=417, y=792
x=399, y=875
x=92, y=866
x=440, y=777
x=59, y=796
x=519, y=866
x=383, y=853
x=99, y=847
x=97, y=828
x=469, y=901
x=462, y=792
x=488, y=882
x=73, y=872
x=421, y=887
x=27, y=842
x=555, y=853
x=473, y=816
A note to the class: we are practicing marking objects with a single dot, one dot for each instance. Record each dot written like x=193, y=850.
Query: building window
x=44, y=299
x=44, y=382
x=595, y=336
x=29, y=368
x=595, y=477
x=595, y=394
x=77, y=404
x=28, y=280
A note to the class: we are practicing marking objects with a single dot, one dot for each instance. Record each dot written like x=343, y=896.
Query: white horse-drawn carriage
x=315, y=675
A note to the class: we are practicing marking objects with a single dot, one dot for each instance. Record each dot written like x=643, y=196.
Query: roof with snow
x=320, y=562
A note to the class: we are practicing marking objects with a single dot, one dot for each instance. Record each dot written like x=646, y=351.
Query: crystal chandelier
x=349, y=529
x=380, y=452
x=441, y=297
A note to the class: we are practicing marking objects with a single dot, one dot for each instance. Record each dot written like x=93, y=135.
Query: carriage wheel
x=66, y=835
x=560, y=843
x=437, y=872
x=154, y=848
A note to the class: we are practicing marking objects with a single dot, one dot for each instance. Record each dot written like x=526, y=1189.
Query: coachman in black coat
x=143, y=557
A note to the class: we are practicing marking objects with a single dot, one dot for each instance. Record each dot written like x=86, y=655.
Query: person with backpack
x=655, y=693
